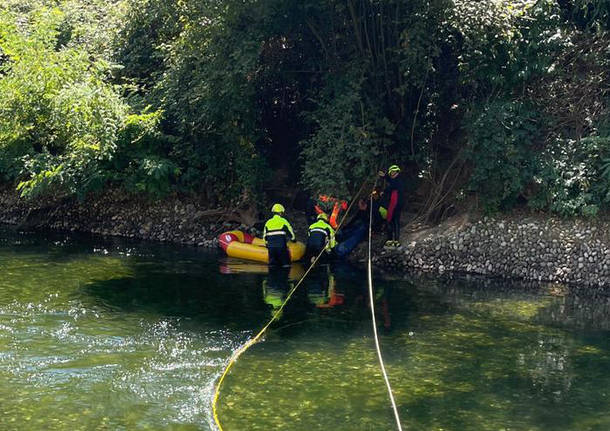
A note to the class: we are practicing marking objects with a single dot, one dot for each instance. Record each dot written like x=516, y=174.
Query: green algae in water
x=457, y=370
x=98, y=335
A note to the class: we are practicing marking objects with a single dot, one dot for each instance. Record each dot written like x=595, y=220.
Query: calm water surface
x=102, y=335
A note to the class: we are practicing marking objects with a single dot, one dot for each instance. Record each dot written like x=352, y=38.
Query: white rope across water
x=370, y=279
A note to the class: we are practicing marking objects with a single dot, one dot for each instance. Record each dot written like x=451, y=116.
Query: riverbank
x=173, y=219
x=519, y=247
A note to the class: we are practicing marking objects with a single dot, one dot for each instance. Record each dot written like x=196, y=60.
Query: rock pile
x=554, y=250
x=179, y=220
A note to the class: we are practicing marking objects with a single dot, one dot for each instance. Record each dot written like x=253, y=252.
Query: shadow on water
x=131, y=276
x=188, y=288
x=567, y=306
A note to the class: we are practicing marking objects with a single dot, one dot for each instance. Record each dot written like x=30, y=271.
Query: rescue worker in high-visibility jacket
x=276, y=233
x=321, y=235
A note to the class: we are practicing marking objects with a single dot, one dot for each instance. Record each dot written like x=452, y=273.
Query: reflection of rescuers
x=321, y=235
x=325, y=294
x=394, y=192
x=276, y=233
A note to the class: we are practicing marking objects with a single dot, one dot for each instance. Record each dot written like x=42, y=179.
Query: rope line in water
x=258, y=336
x=372, y=304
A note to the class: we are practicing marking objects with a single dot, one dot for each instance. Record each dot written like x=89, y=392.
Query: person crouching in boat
x=321, y=235
x=276, y=233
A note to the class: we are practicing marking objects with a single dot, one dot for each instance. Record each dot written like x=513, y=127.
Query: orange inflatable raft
x=236, y=243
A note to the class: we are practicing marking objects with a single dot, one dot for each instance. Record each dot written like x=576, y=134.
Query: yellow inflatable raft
x=245, y=246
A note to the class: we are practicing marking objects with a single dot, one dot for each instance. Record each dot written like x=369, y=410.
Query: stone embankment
x=529, y=248
x=542, y=249
x=175, y=219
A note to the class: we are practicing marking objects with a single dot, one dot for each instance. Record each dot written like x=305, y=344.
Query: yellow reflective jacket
x=326, y=229
x=278, y=226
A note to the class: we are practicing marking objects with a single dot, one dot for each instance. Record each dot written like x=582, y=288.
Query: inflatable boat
x=236, y=243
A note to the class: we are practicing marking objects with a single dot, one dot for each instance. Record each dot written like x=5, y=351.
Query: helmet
x=393, y=168
x=277, y=208
x=323, y=216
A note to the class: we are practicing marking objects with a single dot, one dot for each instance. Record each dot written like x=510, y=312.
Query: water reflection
x=331, y=293
x=568, y=306
x=323, y=290
x=462, y=355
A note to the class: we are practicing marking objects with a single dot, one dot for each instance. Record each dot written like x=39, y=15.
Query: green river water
x=110, y=335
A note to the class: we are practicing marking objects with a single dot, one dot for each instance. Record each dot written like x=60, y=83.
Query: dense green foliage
x=59, y=118
x=503, y=103
x=64, y=127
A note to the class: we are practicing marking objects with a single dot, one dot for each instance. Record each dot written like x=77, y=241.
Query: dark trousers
x=313, y=250
x=278, y=256
x=394, y=226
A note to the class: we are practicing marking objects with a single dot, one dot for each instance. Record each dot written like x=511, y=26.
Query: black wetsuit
x=394, y=192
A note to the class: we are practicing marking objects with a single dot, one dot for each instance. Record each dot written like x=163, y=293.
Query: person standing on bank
x=394, y=191
x=276, y=233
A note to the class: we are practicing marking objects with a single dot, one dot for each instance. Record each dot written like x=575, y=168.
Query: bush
x=209, y=100
x=63, y=127
x=59, y=118
x=502, y=151
x=575, y=177
x=348, y=142
x=141, y=163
